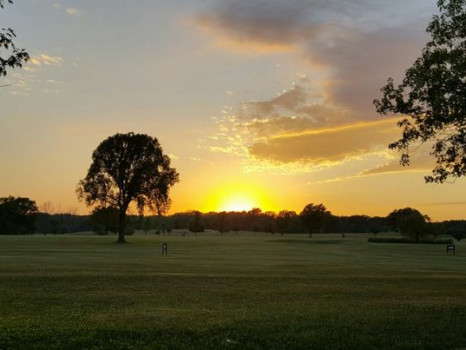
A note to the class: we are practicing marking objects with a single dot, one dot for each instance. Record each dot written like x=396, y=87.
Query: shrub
x=405, y=240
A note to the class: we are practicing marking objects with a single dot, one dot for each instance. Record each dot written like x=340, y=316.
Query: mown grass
x=246, y=291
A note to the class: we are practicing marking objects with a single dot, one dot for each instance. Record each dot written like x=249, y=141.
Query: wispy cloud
x=24, y=80
x=45, y=59
x=461, y=203
x=329, y=144
x=71, y=11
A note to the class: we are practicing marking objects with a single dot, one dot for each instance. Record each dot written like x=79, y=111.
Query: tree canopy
x=432, y=95
x=196, y=223
x=12, y=57
x=17, y=215
x=314, y=217
x=129, y=168
x=409, y=222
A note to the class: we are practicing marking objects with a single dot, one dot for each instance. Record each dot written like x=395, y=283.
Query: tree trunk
x=121, y=226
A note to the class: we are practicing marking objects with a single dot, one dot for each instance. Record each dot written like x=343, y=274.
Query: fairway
x=231, y=291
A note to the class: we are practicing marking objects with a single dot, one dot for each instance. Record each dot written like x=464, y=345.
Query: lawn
x=231, y=291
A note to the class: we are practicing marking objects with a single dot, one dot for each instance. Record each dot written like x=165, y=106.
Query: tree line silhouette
x=20, y=215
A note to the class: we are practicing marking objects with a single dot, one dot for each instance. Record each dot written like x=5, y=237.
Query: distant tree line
x=283, y=222
x=62, y=223
x=20, y=215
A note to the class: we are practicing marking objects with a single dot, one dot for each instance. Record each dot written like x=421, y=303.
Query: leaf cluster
x=432, y=95
x=15, y=58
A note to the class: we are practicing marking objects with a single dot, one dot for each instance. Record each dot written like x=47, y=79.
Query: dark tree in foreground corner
x=17, y=215
x=128, y=168
x=13, y=57
x=433, y=95
x=314, y=217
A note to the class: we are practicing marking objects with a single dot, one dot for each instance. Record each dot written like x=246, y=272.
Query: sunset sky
x=259, y=103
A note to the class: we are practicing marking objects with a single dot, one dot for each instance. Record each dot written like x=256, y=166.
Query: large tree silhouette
x=129, y=168
x=10, y=56
x=314, y=217
x=433, y=95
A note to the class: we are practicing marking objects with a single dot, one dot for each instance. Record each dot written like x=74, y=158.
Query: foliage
x=410, y=223
x=62, y=223
x=128, y=168
x=15, y=58
x=17, y=215
x=314, y=217
x=455, y=228
x=433, y=95
x=223, y=224
x=405, y=240
x=196, y=224
x=146, y=225
x=105, y=220
x=283, y=220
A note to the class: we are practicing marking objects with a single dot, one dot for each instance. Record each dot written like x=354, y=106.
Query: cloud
x=173, y=156
x=68, y=10
x=420, y=161
x=28, y=77
x=54, y=82
x=360, y=64
x=71, y=11
x=446, y=203
x=44, y=59
x=298, y=131
x=291, y=111
x=299, y=103
x=265, y=25
x=359, y=43
x=329, y=144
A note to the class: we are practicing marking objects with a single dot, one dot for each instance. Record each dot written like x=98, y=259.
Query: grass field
x=246, y=291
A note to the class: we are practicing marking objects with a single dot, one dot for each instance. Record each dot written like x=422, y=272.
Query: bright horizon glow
x=237, y=197
x=239, y=202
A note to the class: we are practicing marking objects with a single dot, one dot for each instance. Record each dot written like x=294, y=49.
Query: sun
x=236, y=197
x=240, y=202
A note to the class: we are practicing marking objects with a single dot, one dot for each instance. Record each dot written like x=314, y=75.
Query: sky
x=259, y=103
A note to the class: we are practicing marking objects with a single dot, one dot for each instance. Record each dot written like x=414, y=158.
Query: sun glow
x=238, y=202
x=237, y=198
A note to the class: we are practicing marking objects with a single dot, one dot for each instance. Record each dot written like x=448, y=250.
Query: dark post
x=164, y=248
